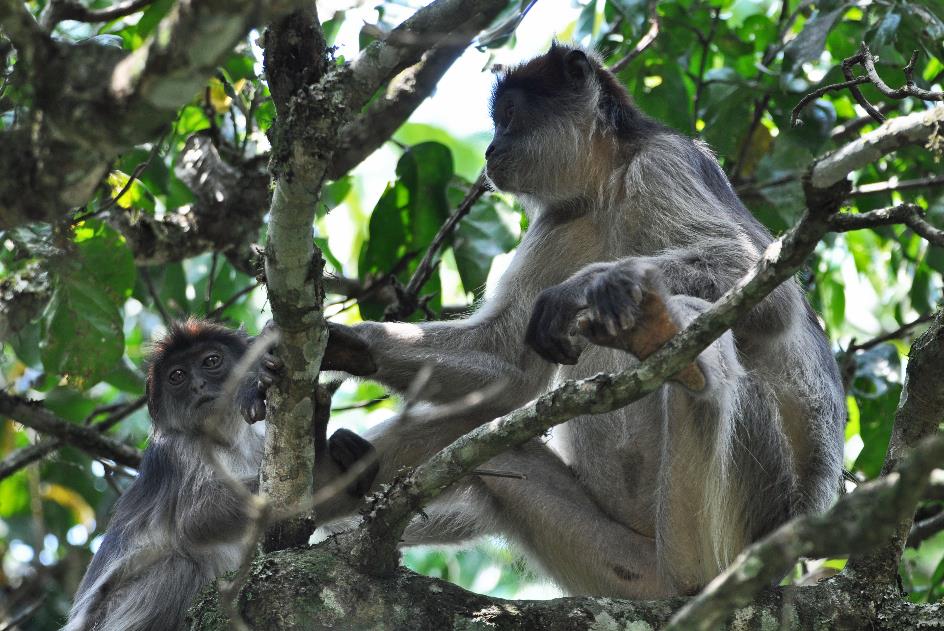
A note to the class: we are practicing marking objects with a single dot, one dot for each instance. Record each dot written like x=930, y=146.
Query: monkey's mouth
x=204, y=400
x=497, y=171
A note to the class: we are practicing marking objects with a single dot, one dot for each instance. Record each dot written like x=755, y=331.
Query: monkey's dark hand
x=549, y=330
x=347, y=351
x=253, y=397
x=349, y=450
x=613, y=297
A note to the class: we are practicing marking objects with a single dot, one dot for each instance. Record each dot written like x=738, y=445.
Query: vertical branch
x=294, y=61
x=919, y=415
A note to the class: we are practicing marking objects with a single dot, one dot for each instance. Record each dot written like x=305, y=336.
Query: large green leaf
x=480, y=237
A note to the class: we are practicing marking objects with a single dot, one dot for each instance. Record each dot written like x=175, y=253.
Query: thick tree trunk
x=315, y=588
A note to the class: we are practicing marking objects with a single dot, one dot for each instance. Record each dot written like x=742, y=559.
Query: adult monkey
x=656, y=498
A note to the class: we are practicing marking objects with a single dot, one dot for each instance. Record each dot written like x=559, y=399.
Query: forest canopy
x=141, y=147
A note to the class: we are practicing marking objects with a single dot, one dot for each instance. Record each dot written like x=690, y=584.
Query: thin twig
x=705, y=49
x=870, y=109
x=898, y=333
x=495, y=473
x=210, y=280
x=909, y=89
x=155, y=297
x=812, y=96
x=408, y=298
x=644, y=42
x=362, y=404
x=909, y=214
x=23, y=614
x=258, y=508
x=901, y=185
x=135, y=174
x=217, y=313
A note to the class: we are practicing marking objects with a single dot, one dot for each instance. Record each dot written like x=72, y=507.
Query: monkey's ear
x=577, y=66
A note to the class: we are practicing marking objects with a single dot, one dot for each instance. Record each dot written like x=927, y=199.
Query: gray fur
x=177, y=527
x=656, y=498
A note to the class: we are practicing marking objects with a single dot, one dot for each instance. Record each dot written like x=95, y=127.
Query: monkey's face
x=192, y=380
x=545, y=119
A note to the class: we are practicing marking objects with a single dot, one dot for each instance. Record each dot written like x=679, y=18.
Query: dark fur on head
x=181, y=336
x=559, y=75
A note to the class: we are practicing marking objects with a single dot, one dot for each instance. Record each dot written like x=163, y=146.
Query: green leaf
x=809, y=44
x=876, y=417
x=83, y=335
x=480, y=237
x=155, y=12
x=106, y=259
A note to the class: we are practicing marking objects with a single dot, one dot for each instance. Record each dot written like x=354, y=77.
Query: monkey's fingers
x=654, y=327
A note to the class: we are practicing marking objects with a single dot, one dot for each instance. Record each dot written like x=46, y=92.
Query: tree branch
x=917, y=417
x=442, y=22
x=891, y=135
x=901, y=185
x=370, y=129
x=925, y=529
x=303, y=136
x=909, y=214
x=61, y=10
x=88, y=439
x=96, y=101
x=909, y=89
x=646, y=40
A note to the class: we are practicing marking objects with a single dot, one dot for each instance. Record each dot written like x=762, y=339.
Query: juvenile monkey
x=179, y=526
x=656, y=498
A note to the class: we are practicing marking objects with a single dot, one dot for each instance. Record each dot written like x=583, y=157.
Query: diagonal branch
x=443, y=22
x=88, y=439
x=859, y=521
x=645, y=41
x=891, y=135
x=373, y=127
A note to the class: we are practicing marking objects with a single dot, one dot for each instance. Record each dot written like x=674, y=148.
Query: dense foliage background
x=727, y=72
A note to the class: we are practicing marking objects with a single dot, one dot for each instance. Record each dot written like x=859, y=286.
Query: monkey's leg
x=397, y=443
x=725, y=473
x=551, y=515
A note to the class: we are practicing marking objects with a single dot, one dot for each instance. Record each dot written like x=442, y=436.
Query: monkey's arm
x=209, y=512
x=465, y=356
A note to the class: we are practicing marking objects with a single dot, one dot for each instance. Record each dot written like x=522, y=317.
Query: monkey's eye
x=176, y=377
x=212, y=361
